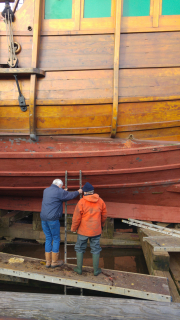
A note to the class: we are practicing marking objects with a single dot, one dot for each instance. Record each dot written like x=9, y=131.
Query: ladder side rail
x=151, y=228
x=65, y=224
x=155, y=226
x=80, y=186
x=66, y=231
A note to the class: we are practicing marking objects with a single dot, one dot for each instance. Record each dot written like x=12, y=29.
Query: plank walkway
x=164, y=243
x=58, y=307
x=111, y=281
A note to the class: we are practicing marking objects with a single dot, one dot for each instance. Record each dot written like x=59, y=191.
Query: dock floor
x=53, y=307
x=111, y=281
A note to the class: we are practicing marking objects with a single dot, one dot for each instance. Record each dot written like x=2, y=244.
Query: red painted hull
x=136, y=179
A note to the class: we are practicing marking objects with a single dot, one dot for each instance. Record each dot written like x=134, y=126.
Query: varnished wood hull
x=93, y=85
x=136, y=179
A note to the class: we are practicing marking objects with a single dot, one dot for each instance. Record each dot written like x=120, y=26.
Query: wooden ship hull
x=102, y=96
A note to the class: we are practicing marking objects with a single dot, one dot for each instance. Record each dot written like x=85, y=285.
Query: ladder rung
x=71, y=258
x=72, y=179
x=70, y=244
x=71, y=204
x=69, y=231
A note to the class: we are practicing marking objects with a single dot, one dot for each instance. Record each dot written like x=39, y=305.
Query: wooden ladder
x=68, y=231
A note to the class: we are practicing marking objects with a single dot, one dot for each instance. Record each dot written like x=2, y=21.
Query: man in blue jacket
x=51, y=212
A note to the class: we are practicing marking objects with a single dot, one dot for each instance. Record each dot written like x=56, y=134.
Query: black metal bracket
x=7, y=12
x=21, y=99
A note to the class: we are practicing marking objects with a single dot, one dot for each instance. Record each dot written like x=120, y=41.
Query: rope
x=10, y=43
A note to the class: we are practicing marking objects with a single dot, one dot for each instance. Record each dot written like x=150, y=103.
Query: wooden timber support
x=33, y=79
x=154, y=260
x=159, y=262
x=8, y=219
x=116, y=68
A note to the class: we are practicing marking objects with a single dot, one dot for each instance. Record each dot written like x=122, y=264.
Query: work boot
x=48, y=259
x=96, y=264
x=79, y=256
x=55, y=262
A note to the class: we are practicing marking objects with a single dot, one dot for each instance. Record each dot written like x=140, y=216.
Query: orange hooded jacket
x=89, y=216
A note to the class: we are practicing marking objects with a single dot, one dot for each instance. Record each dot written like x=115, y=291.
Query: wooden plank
x=90, y=308
x=138, y=50
x=94, y=119
x=175, y=268
x=77, y=52
x=96, y=86
x=164, y=243
x=148, y=115
x=21, y=71
x=111, y=281
x=35, y=54
x=34, y=232
x=116, y=69
x=148, y=50
x=172, y=287
x=74, y=118
x=175, y=265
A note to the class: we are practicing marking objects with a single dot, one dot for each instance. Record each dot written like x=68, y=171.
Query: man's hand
x=80, y=191
x=66, y=189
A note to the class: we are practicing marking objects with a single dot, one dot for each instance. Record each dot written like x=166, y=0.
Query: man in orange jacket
x=88, y=219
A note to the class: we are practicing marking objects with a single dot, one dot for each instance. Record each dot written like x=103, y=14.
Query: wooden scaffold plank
x=111, y=281
x=164, y=243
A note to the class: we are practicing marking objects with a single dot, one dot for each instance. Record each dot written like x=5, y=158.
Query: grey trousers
x=81, y=244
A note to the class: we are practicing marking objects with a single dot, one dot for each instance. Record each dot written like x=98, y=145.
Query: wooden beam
x=156, y=10
x=77, y=14
x=56, y=306
x=35, y=54
x=116, y=68
x=172, y=287
x=154, y=260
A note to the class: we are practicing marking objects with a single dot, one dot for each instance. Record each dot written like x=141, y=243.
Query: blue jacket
x=52, y=204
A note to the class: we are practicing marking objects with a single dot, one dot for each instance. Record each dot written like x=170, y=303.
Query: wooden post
x=116, y=68
x=156, y=12
x=154, y=260
x=108, y=230
x=33, y=79
x=36, y=222
x=77, y=14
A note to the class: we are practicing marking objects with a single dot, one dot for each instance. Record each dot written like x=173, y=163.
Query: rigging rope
x=9, y=17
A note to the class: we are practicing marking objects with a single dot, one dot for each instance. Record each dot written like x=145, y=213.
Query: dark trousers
x=81, y=244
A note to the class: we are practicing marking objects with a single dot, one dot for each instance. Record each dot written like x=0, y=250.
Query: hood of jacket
x=92, y=197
